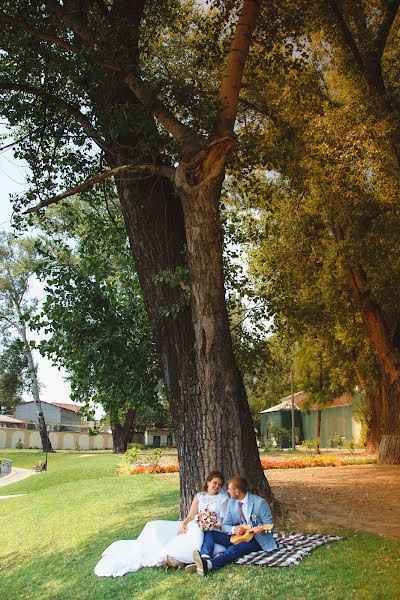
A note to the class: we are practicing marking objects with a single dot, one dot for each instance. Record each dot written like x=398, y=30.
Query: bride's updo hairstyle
x=212, y=475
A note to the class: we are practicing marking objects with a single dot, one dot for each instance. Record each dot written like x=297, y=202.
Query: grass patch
x=51, y=539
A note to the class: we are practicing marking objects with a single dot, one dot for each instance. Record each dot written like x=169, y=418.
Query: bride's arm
x=221, y=515
x=190, y=516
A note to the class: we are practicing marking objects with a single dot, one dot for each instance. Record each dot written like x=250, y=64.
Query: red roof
x=67, y=406
x=342, y=401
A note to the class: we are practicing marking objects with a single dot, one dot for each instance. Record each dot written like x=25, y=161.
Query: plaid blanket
x=292, y=547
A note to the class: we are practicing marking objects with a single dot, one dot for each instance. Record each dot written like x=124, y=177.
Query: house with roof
x=337, y=419
x=11, y=422
x=59, y=416
x=159, y=437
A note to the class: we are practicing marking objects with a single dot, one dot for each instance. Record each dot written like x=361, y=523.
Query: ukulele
x=248, y=535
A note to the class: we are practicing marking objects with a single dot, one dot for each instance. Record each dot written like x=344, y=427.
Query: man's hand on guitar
x=258, y=529
x=240, y=529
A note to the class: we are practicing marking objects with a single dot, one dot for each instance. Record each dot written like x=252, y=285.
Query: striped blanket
x=292, y=547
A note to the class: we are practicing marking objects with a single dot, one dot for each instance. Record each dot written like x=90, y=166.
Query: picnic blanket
x=292, y=547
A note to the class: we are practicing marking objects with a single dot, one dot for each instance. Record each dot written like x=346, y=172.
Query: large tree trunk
x=389, y=447
x=121, y=434
x=373, y=394
x=211, y=418
x=224, y=425
x=387, y=356
x=388, y=361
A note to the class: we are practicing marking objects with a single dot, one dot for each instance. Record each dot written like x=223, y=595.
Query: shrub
x=138, y=446
x=155, y=457
x=279, y=434
x=132, y=455
x=361, y=414
x=19, y=445
x=77, y=447
x=335, y=441
x=123, y=468
x=309, y=446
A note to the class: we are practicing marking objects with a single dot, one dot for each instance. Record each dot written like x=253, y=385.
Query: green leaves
x=93, y=316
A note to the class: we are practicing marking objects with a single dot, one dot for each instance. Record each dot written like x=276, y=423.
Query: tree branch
x=347, y=35
x=231, y=83
x=72, y=110
x=11, y=144
x=20, y=24
x=149, y=170
x=390, y=9
x=183, y=134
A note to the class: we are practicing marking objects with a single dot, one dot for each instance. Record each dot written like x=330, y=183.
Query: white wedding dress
x=157, y=539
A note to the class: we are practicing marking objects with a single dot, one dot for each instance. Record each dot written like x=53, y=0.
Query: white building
x=56, y=415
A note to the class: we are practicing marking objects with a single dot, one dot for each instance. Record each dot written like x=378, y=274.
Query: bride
x=166, y=542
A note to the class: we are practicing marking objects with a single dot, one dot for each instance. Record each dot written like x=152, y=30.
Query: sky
x=54, y=387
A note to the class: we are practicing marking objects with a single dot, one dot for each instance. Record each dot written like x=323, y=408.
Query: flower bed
x=151, y=469
x=302, y=463
x=294, y=463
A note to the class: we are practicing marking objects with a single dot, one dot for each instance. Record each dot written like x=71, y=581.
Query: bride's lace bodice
x=216, y=503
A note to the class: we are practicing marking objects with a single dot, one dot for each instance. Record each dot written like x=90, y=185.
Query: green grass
x=51, y=539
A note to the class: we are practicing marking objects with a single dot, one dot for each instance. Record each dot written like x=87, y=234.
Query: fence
x=5, y=467
x=60, y=440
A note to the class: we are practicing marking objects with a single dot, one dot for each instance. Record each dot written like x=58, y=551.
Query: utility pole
x=293, y=414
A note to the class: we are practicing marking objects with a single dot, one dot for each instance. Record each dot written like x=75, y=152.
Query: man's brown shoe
x=170, y=561
x=191, y=568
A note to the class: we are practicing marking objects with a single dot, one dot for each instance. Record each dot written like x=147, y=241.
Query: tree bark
x=224, y=421
x=389, y=447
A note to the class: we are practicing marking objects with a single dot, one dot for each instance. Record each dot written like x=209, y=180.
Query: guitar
x=248, y=535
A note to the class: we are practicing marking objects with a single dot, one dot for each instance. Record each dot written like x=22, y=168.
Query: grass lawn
x=51, y=539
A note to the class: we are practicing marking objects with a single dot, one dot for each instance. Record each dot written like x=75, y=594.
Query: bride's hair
x=212, y=475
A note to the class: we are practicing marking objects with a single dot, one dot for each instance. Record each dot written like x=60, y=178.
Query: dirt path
x=365, y=497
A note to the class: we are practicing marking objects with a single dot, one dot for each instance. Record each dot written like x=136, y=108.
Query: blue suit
x=259, y=514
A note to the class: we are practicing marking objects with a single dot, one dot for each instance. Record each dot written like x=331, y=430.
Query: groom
x=243, y=509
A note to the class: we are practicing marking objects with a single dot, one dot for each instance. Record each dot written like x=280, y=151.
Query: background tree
x=17, y=264
x=14, y=378
x=322, y=114
x=94, y=317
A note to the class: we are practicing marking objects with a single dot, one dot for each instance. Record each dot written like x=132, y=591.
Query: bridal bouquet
x=206, y=519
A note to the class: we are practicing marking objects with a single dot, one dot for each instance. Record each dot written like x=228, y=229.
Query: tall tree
x=117, y=75
x=336, y=139
x=17, y=264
